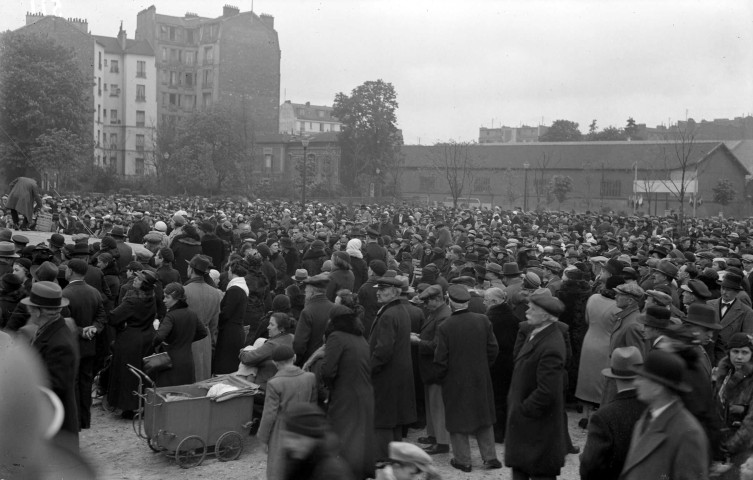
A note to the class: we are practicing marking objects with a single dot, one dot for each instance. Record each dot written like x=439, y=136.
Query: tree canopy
x=369, y=139
x=562, y=131
x=43, y=101
x=724, y=192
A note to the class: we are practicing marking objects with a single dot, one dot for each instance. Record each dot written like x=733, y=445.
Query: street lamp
x=525, y=187
x=376, y=186
x=305, y=143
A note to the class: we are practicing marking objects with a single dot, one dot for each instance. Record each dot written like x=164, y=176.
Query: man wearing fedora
x=610, y=427
x=701, y=320
x=465, y=344
x=512, y=277
x=663, y=274
x=667, y=441
x=655, y=322
x=732, y=314
x=536, y=437
x=204, y=300
x=58, y=350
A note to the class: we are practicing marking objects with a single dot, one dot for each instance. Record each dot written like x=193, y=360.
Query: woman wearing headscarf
x=177, y=332
x=346, y=371
x=230, y=338
x=341, y=276
x=133, y=319
x=734, y=396
x=357, y=263
x=185, y=246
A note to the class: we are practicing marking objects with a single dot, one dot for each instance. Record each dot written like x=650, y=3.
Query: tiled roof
x=311, y=112
x=133, y=47
x=568, y=155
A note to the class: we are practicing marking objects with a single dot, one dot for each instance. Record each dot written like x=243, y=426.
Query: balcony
x=140, y=74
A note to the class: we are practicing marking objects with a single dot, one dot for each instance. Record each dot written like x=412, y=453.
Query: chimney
x=191, y=15
x=80, y=23
x=267, y=20
x=308, y=104
x=122, y=36
x=33, y=17
x=230, y=10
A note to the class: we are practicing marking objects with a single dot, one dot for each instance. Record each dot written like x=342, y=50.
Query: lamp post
x=377, y=182
x=305, y=143
x=525, y=186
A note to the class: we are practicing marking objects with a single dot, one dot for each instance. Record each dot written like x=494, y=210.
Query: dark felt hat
x=511, y=269
x=45, y=295
x=665, y=369
x=389, y=279
x=655, y=317
x=458, y=293
x=201, y=263
x=623, y=362
x=320, y=280
x=703, y=316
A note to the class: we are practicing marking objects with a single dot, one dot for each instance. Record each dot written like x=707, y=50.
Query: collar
x=537, y=330
x=76, y=281
x=658, y=411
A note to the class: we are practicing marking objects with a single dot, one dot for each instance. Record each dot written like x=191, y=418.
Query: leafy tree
x=610, y=134
x=369, y=139
x=43, y=96
x=592, y=130
x=453, y=160
x=724, y=192
x=631, y=130
x=560, y=186
x=562, y=131
x=62, y=153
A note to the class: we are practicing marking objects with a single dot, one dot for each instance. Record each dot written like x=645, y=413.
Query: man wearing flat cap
x=204, y=300
x=536, y=438
x=391, y=365
x=610, y=427
x=732, y=314
x=466, y=346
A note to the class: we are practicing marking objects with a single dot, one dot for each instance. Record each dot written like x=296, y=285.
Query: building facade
x=620, y=176
x=233, y=59
x=522, y=134
x=304, y=118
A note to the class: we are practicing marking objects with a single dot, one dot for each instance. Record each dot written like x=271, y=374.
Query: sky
x=457, y=66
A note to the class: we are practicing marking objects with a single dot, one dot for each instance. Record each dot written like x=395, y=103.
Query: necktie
x=646, y=421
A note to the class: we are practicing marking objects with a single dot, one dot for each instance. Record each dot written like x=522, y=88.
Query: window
x=481, y=184
x=165, y=76
x=100, y=60
x=190, y=58
x=114, y=90
x=164, y=54
x=163, y=32
x=173, y=79
x=98, y=135
x=139, y=143
x=113, y=159
x=105, y=113
x=114, y=141
x=426, y=183
x=611, y=188
x=189, y=102
x=139, y=166
x=207, y=99
x=303, y=126
x=140, y=118
x=172, y=33
x=189, y=79
x=208, y=55
x=141, y=69
x=267, y=162
x=189, y=36
x=140, y=93
x=165, y=97
x=320, y=113
x=98, y=107
x=114, y=67
x=104, y=87
x=114, y=116
x=104, y=138
x=173, y=99
x=208, y=77
x=301, y=112
x=99, y=86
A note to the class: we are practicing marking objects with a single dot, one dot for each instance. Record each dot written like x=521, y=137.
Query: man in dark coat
x=24, y=199
x=125, y=250
x=391, y=366
x=437, y=312
x=610, y=427
x=367, y=294
x=138, y=229
x=733, y=315
x=57, y=348
x=505, y=328
x=535, y=441
x=309, y=330
x=465, y=347
x=88, y=311
x=211, y=245
x=373, y=251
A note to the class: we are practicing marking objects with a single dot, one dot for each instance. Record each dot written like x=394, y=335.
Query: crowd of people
x=359, y=323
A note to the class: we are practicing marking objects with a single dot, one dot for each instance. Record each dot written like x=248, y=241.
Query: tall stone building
x=232, y=60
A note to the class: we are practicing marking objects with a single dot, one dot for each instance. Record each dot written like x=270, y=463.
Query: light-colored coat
x=289, y=385
x=204, y=300
x=594, y=356
x=674, y=446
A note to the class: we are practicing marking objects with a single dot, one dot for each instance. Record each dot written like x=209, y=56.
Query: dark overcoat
x=535, y=440
x=346, y=371
x=87, y=310
x=428, y=344
x=179, y=329
x=230, y=337
x=391, y=367
x=184, y=248
x=339, y=279
x=466, y=346
x=368, y=300
x=505, y=328
x=309, y=331
x=23, y=195
x=608, y=441
x=58, y=350
x=133, y=320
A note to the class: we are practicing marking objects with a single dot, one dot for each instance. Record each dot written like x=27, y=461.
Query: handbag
x=159, y=362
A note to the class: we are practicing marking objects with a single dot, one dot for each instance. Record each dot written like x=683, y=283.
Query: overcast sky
x=457, y=66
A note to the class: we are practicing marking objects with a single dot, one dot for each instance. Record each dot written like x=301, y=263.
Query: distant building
x=232, y=59
x=738, y=128
x=123, y=100
x=522, y=134
x=302, y=118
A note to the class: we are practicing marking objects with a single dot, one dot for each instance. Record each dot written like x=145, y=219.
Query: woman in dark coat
x=346, y=371
x=574, y=294
x=178, y=330
x=111, y=271
x=357, y=263
x=11, y=292
x=133, y=319
x=230, y=338
x=184, y=247
x=259, y=296
x=341, y=277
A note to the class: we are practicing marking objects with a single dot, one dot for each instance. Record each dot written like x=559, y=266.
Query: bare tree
x=512, y=182
x=453, y=160
x=540, y=182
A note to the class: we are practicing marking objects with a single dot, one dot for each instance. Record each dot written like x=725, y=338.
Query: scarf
x=354, y=248
x=238, y=282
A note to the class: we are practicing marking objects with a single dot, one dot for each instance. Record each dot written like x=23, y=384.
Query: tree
x=562, y=131
x=631, y=130
x=42, y=92
x=512, y=181
x=560, y=186
x=453, y=160
x=680, y=161
x=60, y=153
x=369, y=139
x=592, y=130
x=611, y=134
x=724, y=192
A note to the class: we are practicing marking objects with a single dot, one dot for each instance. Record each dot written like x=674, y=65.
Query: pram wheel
x=229, y=446
x=190, y=452
x=151, y=445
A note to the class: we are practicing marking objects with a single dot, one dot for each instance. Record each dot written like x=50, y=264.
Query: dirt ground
x=118, y=453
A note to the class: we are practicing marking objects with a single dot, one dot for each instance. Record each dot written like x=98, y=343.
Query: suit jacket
x=737, y=318
x=87, y=309
x=674, y=446
x=609, y=432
